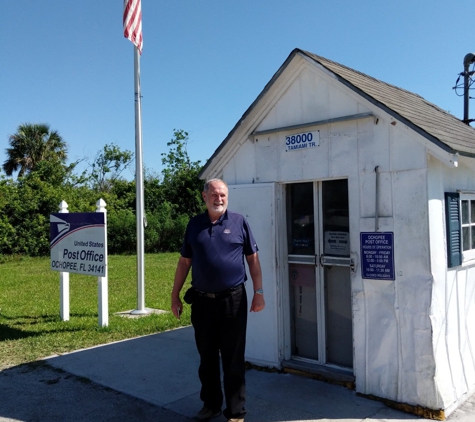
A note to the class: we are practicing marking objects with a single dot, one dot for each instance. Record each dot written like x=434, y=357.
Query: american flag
x=133, y=22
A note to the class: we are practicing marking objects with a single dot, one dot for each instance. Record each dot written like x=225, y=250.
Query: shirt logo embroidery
x=226, y=231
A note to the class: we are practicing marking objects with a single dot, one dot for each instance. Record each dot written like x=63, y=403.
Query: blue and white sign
x=377, y=255
x=78, y=243
x=303, y=140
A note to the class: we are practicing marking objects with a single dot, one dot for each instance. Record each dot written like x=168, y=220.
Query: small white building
x=361, y=196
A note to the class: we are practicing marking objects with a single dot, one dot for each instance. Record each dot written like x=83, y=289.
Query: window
x=467, y=208
x=460, y=223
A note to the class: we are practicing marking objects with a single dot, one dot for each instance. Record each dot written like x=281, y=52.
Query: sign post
x=78, y=244
x=63, y=280
x=103, y=282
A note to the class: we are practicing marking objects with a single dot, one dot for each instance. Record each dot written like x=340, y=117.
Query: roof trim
x=317, y=123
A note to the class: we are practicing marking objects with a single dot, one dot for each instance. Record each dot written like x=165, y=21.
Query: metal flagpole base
x=144, y=311
x=139, y=313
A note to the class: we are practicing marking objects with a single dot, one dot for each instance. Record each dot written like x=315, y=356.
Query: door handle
x=336, y=261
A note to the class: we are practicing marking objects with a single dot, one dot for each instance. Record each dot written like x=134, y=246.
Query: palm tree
x=31, y=144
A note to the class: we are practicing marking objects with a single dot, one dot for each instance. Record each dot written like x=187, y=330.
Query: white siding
x=452, y=309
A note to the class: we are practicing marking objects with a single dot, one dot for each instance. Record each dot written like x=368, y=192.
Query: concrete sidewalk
x=157, y=375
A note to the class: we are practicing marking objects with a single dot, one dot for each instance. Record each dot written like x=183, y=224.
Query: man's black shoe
x=206, y=414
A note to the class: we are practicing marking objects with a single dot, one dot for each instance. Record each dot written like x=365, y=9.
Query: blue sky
x=66, y=63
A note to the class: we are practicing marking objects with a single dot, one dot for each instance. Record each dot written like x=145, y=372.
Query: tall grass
x=30, y=324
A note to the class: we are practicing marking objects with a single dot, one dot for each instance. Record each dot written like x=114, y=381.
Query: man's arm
x=258, y=302
x=182, y=270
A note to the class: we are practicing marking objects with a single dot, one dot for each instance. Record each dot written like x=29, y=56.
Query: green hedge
x=25, y=207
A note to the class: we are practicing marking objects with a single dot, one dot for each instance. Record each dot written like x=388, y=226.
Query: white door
x=319, y=272
x=256, y=202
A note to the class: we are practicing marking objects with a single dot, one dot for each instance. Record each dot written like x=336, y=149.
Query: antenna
x=467, y=61
x=467, y=82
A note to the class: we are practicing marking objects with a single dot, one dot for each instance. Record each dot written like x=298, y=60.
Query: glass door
x=319, y=272
x=336, y=264
x=301, y=249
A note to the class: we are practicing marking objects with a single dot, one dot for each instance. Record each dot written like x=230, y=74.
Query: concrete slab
x=161, y=370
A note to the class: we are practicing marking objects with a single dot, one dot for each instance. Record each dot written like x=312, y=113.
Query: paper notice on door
x=337, y=243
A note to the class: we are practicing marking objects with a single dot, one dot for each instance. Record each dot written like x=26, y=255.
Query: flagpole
x=139, y=189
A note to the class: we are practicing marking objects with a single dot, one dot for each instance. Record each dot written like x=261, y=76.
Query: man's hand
x=182, y=269
x=258, y=303
x=177, y=307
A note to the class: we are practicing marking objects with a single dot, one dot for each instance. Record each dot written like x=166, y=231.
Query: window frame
x=467, y=254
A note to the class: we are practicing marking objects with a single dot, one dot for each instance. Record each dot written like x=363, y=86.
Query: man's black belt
x=217, y=295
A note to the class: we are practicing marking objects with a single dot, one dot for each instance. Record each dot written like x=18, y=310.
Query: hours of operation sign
x=377, y=255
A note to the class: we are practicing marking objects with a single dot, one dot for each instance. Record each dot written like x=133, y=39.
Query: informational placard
x=78, y=243
x=303, y=140
x=377, y=255
x=337, y=243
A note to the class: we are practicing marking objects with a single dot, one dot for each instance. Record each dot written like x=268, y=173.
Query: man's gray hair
x=208, y=182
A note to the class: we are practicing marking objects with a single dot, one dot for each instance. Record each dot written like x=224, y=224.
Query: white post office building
x=361, y=196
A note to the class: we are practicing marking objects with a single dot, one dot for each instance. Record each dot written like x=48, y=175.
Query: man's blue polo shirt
x=217, y=251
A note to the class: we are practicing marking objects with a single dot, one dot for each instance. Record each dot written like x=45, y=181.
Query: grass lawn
x=30, y=325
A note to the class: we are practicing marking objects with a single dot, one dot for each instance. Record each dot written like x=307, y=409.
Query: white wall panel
x=411, y=220
x=343, y=147
x=367, y=189
x=288, y=108
x=229, y=172
x=313, y=96
x=373, y=148
x=269, y=121
x=256, y=203
x=403, y=140
x=267, y=162
x=468, y=327
x=339, y=103
x=368, y=194
x=245, y=163
x=382, y=360
x=315, y=163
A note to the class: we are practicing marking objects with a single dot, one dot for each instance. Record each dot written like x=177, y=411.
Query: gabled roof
x=442, y=128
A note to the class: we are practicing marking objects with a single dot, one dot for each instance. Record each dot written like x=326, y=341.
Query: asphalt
x=154, y=378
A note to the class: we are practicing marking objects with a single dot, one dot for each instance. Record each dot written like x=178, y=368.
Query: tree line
x=44, y=179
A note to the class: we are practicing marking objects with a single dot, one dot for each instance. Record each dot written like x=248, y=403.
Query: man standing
x=214, y=247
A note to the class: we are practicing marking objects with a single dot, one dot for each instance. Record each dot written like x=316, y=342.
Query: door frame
x=285, y=320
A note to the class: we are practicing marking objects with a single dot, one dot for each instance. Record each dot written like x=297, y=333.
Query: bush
x=121, y=232
x=165, y=229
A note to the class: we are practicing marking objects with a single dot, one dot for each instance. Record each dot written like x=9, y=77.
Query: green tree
x=181, y=184
x=32, y=144
x=108, y=166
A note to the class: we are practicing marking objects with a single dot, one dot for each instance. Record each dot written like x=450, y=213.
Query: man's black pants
x=220, y=327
